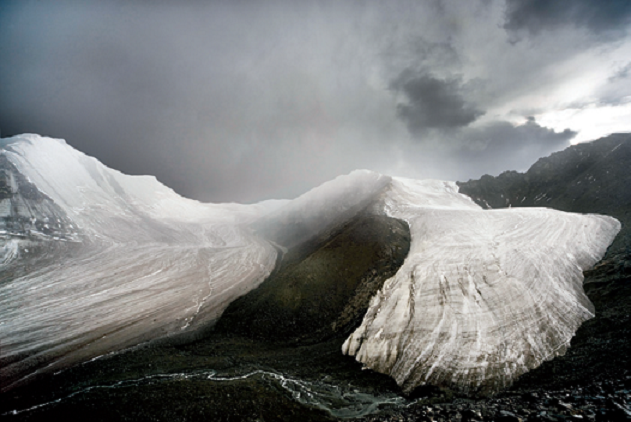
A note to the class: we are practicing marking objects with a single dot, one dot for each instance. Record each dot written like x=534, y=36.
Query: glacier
x=483, y=296
x=94, y=261
x=130, y=260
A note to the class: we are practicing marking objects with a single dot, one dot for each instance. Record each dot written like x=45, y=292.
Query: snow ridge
x=144, y=262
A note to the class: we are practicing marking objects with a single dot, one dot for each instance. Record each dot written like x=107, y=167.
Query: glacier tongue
x=123, y=259
x=483, y=296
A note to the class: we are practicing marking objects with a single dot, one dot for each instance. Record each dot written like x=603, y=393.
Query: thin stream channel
x=341, y=401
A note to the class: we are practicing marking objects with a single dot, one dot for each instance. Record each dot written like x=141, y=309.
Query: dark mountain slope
x=593, y=177
x=324, y=289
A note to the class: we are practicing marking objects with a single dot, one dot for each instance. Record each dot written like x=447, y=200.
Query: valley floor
x=253, y=380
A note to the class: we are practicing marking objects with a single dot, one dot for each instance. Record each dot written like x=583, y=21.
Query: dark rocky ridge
x=592, y=177
x=322, y=291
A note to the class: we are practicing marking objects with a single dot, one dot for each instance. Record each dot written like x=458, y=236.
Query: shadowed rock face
x=592, y=177
x=323, y=288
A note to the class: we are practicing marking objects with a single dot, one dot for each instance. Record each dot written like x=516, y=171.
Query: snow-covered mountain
x=95, y=261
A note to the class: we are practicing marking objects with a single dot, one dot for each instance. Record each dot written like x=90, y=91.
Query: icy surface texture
x=483, y=296
x=94, y=261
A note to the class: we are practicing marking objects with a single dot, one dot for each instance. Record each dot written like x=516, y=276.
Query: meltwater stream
x=341, y=401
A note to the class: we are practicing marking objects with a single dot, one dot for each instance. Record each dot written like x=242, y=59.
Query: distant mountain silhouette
x=593, y=177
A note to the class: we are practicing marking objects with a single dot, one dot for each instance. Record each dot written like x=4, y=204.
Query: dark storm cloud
x=609, y=17
x=244, y=101
x=501, y=146
x=221, y=101
x=433, y=103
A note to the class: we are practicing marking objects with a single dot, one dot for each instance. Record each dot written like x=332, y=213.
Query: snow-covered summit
x=96, y=197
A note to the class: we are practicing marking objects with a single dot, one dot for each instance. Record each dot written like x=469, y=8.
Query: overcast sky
x=248, y=100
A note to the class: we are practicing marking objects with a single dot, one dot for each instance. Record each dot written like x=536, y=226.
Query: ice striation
x=483, y=296
x=94, y=260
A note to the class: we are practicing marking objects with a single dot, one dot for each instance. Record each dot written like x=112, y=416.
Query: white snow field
x=149, y=262
x=94, y=261
x=484, y=295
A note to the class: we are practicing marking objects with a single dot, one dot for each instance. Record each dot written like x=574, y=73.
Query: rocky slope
x=322, y=291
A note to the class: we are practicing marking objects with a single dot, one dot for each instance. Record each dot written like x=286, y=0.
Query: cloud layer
x=239, y=101
x=433, y=103
x=609, y=17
